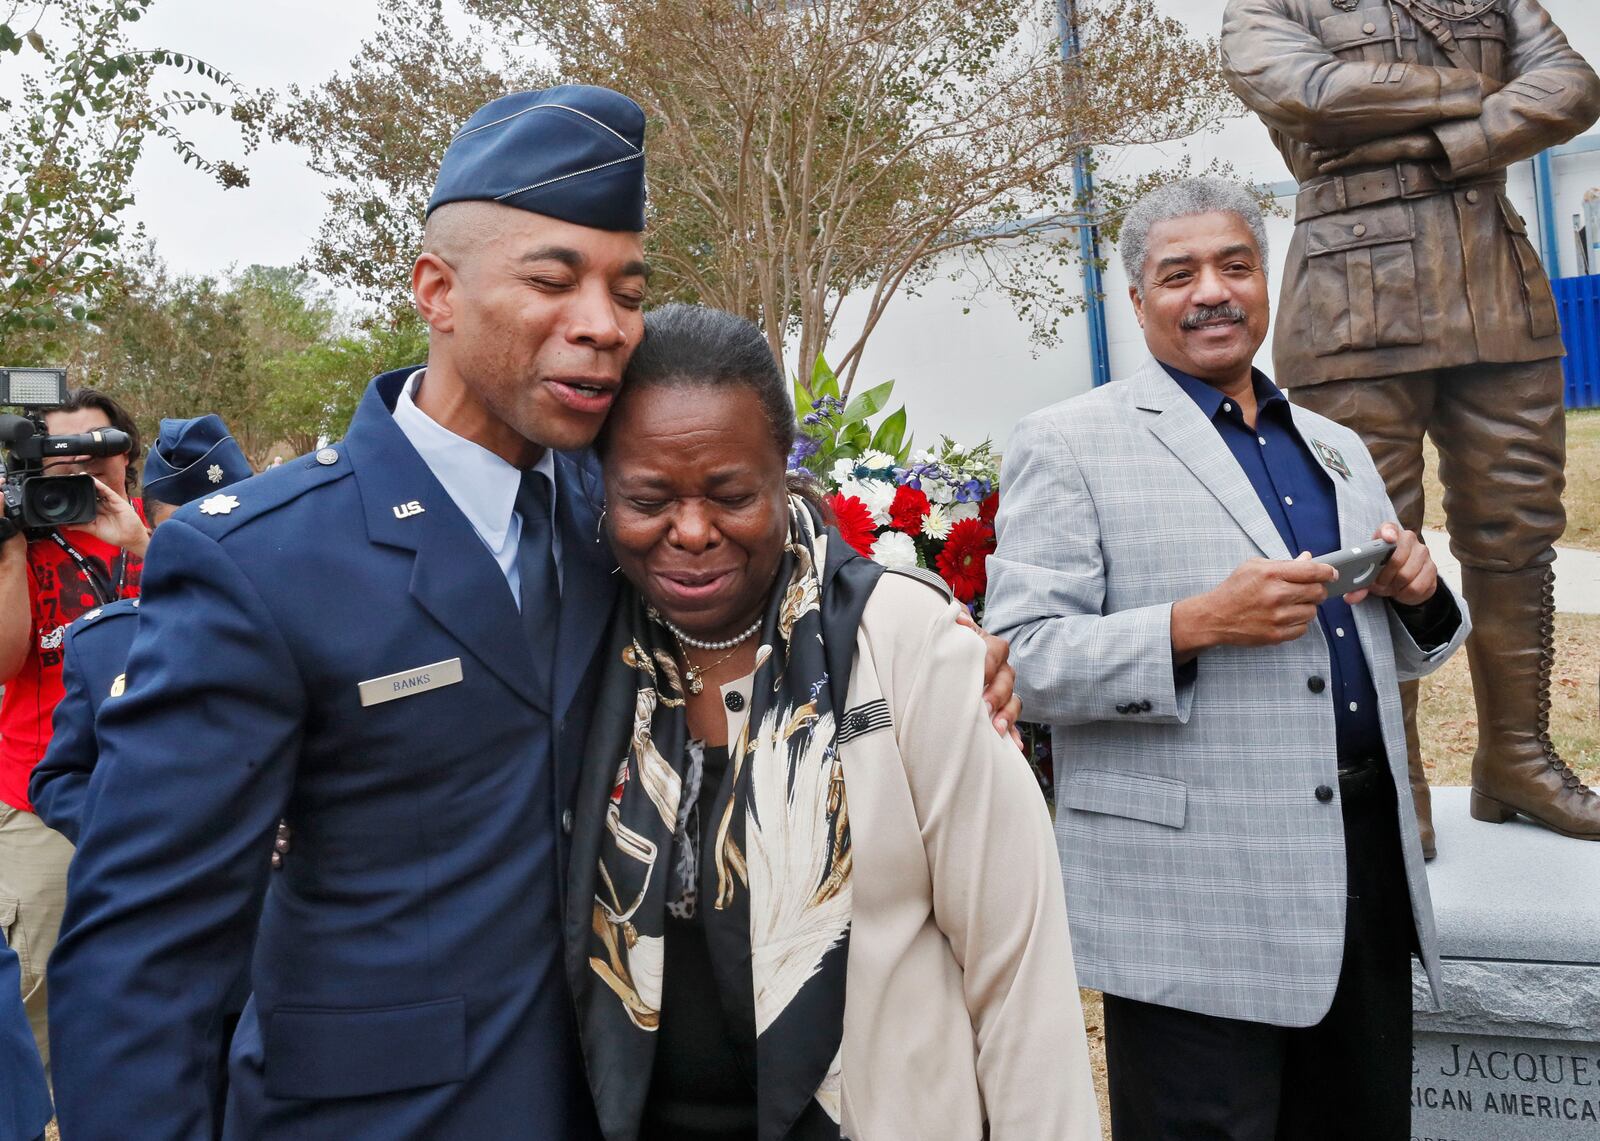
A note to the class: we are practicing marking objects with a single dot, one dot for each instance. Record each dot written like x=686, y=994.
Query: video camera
x=34, y=502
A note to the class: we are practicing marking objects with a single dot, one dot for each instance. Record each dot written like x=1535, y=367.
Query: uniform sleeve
x=1551, y=96
x=60, y=781
x=1047, y=589
x=1281, y=70
x=198, y=758
x=997, y=893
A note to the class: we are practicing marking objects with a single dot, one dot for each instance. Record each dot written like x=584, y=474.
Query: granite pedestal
x=1515, y=1053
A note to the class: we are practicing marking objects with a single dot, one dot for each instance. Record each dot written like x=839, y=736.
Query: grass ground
x=1583, y=483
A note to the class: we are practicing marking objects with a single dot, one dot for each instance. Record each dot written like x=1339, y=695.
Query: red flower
x=988, y=507
x=908, y=510
x=963, y=562
x=854, y=521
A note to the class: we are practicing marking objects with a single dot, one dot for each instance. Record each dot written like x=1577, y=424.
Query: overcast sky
x=200, y=228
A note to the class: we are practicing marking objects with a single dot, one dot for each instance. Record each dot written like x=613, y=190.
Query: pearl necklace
x=690, y=640
x=692, y=674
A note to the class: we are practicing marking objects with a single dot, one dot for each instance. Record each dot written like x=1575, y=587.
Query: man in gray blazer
x=1243, y=867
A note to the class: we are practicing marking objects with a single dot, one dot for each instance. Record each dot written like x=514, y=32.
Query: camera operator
x=46, y=581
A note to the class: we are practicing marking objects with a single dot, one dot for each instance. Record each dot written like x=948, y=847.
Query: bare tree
x=804, y=153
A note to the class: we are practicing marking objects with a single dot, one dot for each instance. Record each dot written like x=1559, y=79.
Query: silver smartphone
x=1358, y=566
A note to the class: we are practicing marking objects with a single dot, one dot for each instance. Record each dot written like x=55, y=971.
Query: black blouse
x=699, y=1090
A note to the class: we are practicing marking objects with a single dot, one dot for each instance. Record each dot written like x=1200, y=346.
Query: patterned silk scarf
x=774, y=862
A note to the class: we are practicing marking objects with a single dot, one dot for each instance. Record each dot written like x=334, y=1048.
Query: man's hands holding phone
x=1409, y=577
x=1265, y=602
x=1262, y=603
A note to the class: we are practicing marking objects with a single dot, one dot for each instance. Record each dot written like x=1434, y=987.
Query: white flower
x=936, y=523
x=844, y=470
x=960, y=511
x=895, y=549
x=877, y=494
x=937, y=490
x=876, y=460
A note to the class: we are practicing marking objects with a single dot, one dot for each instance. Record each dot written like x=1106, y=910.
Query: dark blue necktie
x=536, y=567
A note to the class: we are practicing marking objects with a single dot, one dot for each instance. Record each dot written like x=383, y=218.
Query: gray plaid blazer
x=1202, y=871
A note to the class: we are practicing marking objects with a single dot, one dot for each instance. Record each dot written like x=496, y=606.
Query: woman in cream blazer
x=814, y=894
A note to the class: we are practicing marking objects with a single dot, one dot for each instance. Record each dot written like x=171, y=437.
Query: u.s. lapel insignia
x=1331, y=459
x=407, y=510
x=119, y=685
x=218, y=505
x=214, y=473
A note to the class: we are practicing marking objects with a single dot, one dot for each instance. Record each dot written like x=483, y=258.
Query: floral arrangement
x=932, y=508
x=936, y=511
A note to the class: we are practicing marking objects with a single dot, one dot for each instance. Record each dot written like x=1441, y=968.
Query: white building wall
x=974, y=374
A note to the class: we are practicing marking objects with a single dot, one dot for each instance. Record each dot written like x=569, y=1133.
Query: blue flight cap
x=571, y=152
x=192, y=458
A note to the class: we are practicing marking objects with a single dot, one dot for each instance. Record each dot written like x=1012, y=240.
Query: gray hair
x=1185, y=199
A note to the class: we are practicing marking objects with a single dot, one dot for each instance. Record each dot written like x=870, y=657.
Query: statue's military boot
x=1516, y=768
x=1420, y=796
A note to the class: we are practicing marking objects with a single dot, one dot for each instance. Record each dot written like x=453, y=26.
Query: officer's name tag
x=404, y=684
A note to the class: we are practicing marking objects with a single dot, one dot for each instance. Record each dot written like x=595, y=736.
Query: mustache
x=1208, y=313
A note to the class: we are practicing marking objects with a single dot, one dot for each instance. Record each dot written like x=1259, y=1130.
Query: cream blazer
x=961, y=1004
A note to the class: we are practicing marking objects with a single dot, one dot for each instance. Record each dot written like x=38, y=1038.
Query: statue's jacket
x=1409, y=266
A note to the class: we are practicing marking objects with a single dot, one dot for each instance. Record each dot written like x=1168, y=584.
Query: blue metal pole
x=1088, y=232
x=1544, y=183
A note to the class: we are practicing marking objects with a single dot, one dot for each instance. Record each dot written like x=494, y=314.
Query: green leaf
x=823, y=382
x=868, y=403
x=890, y=435
x=802, y=400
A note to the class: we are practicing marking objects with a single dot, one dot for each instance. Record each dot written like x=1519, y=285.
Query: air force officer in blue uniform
x=190, y=460
x=387, y=643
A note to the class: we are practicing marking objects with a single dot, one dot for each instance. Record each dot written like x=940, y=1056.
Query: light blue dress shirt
x=480, y=483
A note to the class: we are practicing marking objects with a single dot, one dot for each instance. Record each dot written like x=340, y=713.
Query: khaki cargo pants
x=33, y=894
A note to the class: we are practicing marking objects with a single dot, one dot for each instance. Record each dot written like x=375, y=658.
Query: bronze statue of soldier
x=1413, y=303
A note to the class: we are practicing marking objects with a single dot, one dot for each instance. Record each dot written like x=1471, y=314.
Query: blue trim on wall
x=1544, y=194
x=1094, y=296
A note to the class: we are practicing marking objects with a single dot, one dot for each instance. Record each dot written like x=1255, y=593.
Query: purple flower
x=804, y=448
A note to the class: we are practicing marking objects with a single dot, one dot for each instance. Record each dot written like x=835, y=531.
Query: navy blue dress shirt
x=1298, y=495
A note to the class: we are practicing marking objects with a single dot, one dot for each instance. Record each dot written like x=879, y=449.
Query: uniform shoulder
x=229, y=509
x=582, y=473
x=102, y=617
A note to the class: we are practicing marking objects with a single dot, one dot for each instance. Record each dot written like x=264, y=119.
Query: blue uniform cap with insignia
x=572, y=152
x=192, y=458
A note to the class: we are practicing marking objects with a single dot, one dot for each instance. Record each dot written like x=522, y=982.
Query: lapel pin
x=218, y=505
x=1331, y=459
x=120, y=684
x=407, y=510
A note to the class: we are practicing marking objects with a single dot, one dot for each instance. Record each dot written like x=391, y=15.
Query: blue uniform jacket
x=94, y=655
x=24, y=1097
x=407, y=979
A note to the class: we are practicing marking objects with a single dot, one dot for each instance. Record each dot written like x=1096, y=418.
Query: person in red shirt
x=46, y=582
